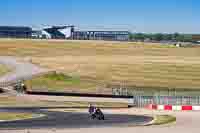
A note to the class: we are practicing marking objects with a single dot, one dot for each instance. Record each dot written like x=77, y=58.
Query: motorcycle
x=98, y=115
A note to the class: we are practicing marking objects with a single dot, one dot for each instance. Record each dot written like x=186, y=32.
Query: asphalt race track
x=60, y=120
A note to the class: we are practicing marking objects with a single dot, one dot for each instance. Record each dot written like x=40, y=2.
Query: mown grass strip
x=60, y=82
x=8, y=116
x=14, y=102
x=163, y=119
x=3, y=70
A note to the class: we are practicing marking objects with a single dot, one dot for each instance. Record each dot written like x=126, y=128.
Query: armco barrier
x=173, y=107
x=76, y=94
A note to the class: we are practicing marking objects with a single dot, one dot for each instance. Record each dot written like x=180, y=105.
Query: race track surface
x=187, y=122
x=61, y=120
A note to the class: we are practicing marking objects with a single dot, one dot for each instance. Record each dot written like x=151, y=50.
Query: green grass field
x=94, y=64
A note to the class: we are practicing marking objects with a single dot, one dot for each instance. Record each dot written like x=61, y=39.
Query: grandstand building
x=69, y=32
x=58, y=32
x=62, y=32
x=101, y=35
x=15, y=32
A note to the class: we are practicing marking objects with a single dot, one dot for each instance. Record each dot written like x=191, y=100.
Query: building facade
x=101, y=35
x=59, y=32
x=15, y=32
x=62, y=32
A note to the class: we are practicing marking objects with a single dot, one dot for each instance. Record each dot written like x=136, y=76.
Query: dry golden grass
x=135, y=64
x=16, y=101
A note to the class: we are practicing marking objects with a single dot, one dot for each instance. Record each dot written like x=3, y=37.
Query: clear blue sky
x=134, y=15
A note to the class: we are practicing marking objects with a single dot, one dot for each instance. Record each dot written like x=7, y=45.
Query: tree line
x=161, y=37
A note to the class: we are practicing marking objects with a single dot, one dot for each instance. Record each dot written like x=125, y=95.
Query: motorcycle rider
x=92, y=109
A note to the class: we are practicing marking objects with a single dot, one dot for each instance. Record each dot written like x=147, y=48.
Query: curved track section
x=61, y=120
x=187, y=122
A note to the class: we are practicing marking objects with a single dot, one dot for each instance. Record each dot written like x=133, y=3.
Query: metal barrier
x=143, y=98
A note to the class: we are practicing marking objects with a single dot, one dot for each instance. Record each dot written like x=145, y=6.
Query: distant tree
x=131, y=36
x=187, y=38
x=167, y=37
x=139, y=36
x=181, y=38
x=175, y=36
x=149, y=36
x=158, y=37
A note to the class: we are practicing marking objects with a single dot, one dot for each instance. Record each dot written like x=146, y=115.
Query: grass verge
x=3, y=70
x=164, y=119
x=17, y=102
x=7, y=116
x=85, y=104
x=59, y=82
